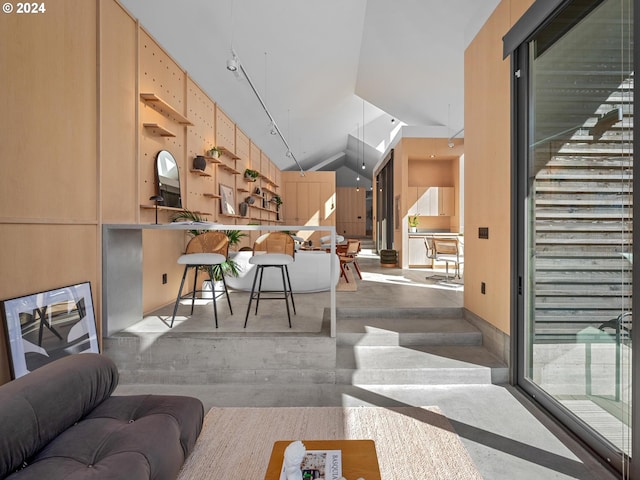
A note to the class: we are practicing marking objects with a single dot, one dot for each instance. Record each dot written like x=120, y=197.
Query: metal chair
x=207, y=250
x=277, y=250
x=446, y=250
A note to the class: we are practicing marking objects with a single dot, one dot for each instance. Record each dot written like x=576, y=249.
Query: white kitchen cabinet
x=436, y=202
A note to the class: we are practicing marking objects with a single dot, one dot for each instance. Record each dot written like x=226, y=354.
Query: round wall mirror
x=168, y=179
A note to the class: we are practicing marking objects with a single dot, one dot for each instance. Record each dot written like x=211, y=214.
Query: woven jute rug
x=411, y=442
x=350, y=286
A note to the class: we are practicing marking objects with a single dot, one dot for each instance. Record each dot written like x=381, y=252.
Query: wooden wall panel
x=255, y=155
x=48, y=203
x=350, y=204
x=37, y=257
x=225, y=131
x=160, y=75
x=49, y=114
x=118, y=129
x=487, y=168
x=161, y=252
x=200, y=137
x=424, y=173
x=243, y=149
x=309, y=200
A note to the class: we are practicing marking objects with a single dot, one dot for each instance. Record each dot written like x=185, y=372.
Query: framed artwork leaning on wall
x=227, y=200
x=44, y=326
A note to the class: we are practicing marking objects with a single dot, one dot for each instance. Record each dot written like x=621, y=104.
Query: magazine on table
x=319, y=464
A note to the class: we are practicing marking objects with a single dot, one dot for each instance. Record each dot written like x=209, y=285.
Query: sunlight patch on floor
x=404, y=281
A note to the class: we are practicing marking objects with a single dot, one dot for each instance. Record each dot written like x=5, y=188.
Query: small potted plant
x=251, y=175
x=214, y=152
x=278, y=201
x=413, y=222
x=229, y=267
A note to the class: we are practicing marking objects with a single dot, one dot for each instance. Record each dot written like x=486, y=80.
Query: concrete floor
x=506, y=436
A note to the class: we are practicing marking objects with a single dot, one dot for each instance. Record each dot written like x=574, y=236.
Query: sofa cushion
x=125, y=438
x=60, y=422
x=36, y=408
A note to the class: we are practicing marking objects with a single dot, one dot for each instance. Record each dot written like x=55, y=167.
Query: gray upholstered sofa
x=61, y=422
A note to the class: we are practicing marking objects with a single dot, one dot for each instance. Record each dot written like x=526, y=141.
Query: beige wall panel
x=243, y=150
x=160, y=74
x=290, y=206
x=265, y=165
x=255, y=156
x=161, y=252
x=118, y=154
x=41, y=257
x=243, y=187
x=400, y=184
x=201, y=111
x=435, y=173
x=454, y=221
x=49, y=113
x=350, y=204
x=309, y=200
x=150, y=145
x=487, y=169
x=517, y=8
x=225, y=131
x=200, y=137
x=431, y=173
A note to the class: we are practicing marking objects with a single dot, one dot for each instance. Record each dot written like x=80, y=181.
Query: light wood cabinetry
x=309, y=200
x=351, y=211
x=432, y=201
x=418, y=252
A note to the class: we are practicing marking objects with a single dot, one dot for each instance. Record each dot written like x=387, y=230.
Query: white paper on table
x=327, y=463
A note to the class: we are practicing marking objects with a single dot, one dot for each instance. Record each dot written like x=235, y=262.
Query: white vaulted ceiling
x=325, y=69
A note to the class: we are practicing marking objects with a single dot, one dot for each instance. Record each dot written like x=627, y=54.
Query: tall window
x=575, y=211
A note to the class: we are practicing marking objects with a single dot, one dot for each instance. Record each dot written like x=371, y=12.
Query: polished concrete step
x=407, y=332
x=405, y=346
x=209, y=358
x=418, y=365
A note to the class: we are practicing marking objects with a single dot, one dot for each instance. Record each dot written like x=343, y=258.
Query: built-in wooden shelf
x=231, y=216
x=268, y=190
x=268, y=180
x=263, y=209
x=163, y=107
x=211, y=159
x=171, y=209
x=242, y=189
x=211, y=195
x=202, y=173
x=156, y=129
x=228, y=153
x=229, y=169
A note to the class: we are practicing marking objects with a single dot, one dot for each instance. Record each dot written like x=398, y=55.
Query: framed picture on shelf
x=227, y=200
x=42, y=327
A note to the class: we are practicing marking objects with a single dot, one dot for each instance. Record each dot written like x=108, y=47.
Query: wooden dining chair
x=347, y=256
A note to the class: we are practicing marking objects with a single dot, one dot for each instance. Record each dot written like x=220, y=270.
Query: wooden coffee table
x=359, y=457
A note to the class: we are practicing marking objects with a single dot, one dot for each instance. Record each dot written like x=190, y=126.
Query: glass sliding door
x=575, y=210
